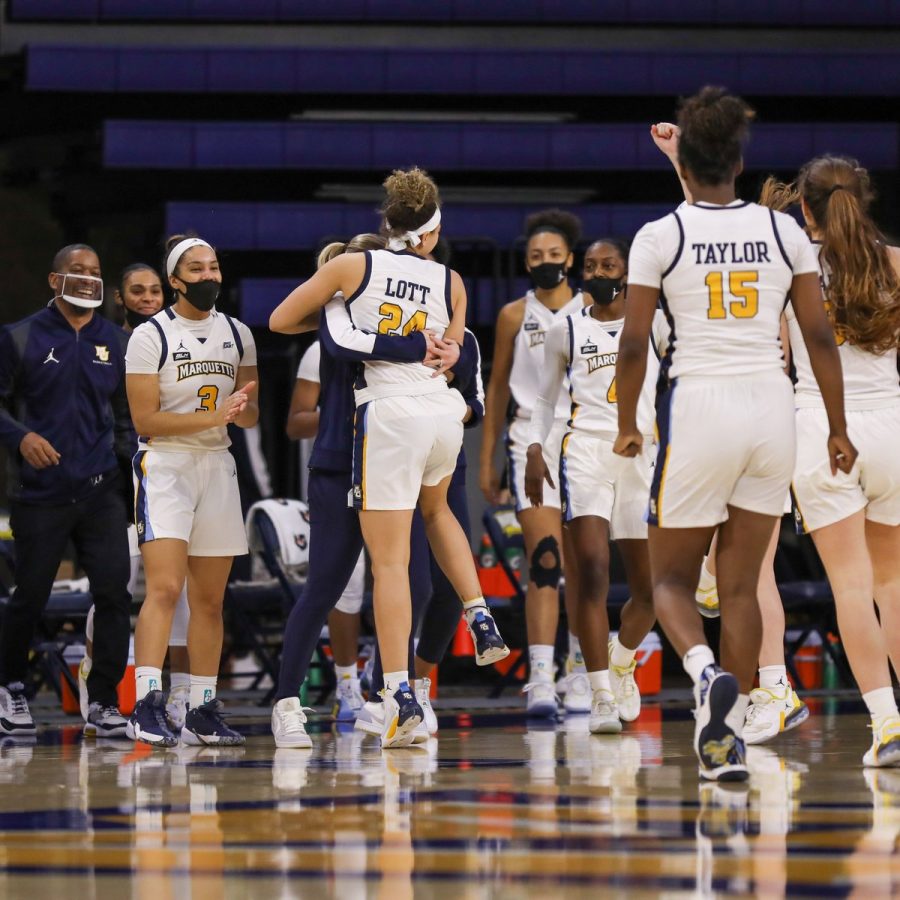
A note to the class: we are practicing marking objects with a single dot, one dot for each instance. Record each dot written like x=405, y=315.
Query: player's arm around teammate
x=187, y=501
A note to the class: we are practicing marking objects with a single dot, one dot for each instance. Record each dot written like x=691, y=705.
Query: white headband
x=411, y=238
x=180, y=249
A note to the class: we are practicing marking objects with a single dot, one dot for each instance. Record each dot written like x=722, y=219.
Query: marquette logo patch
x=536, y=338
x=601, y=361
x=102, y=352
x=205, y=367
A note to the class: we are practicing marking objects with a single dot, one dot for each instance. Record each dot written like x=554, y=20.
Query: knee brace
x=542, y=575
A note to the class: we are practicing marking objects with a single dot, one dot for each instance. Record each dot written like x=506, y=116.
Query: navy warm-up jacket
x=69, y=387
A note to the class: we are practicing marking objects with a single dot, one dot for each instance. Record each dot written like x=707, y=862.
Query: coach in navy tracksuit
x=66, y=428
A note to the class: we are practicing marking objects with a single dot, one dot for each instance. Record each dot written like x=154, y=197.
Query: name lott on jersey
x=205, y=367
x=402, y=288
x=731, y=253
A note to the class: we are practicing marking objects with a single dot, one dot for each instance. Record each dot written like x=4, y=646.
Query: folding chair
x=278, y=534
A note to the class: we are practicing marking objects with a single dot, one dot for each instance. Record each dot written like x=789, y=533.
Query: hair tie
x=837, y=187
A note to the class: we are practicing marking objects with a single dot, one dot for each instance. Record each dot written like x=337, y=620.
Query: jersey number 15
x=742, y=286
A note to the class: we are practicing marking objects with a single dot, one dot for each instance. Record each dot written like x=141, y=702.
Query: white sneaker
x=370, y=718
x=288, y=724
x=772, y=711
x=348, y=700
x=542, y=699
x=423, y=695
x=105, y=721
x=604, y=714
x=885, y=749
x=625, y=689
x=577, y=698
x=708, y=602
x=177, y=705
x=15, y=717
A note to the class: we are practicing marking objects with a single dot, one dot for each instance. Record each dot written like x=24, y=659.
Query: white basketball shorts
x=516, y=457
x=403, y=443
x=594, y=481
x=723, y=441
x=191, y=496
x=873, y=484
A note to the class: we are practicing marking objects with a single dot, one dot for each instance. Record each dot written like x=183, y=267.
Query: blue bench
x=463, y=146
x=299, y=226
x=627, y=12
x=385, y=70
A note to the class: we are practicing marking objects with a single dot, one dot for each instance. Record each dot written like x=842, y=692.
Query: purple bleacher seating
x=600, y=12
x=463, y=146
x=298, y=226
x=377, y=71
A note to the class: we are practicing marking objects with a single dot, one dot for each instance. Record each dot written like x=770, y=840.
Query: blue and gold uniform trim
x=799, y=522
x=359, y=457
x=511, y=473
x=564, y=494
x=663, y=437
x=141, y=501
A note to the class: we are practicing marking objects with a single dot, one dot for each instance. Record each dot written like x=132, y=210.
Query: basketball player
x=726, y=268
x=140, y=295
x=522, y=327
x=190, y=372
x=336, y=542
x=408, y=427
x=775, y=706
x=854, y=520
x=603, y=495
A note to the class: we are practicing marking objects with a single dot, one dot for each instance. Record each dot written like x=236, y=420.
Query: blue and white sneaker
x=489, y=646
x=348, y=700
x=205, y=724
x=148, y=723
x=719, y=749
x=402, y=716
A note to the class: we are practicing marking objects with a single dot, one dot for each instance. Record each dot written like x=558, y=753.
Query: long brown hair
x=863, y=289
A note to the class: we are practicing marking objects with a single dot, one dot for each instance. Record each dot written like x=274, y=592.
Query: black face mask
x=547, y=276
x=602, y=290
x=201, y=294
x=134, y=318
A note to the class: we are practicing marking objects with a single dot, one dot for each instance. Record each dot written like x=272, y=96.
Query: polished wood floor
x=493, y=807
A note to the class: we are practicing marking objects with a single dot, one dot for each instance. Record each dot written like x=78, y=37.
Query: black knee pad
x=546, y=576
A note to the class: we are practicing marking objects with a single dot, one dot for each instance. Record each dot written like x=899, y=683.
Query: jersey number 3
x=741, y=285
x=208, y=395
x=392, y=320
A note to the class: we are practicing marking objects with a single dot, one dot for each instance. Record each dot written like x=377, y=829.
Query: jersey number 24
x=391, y=321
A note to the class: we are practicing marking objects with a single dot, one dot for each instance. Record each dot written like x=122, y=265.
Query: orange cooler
x=73, y=655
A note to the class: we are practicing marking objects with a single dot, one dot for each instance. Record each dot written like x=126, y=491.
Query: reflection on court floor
x=494, y=806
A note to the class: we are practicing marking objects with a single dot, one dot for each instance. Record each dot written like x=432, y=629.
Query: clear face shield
x=85, y=291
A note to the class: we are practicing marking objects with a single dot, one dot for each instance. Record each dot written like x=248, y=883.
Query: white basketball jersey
x=593, y=351
x=870, y=379
x=528, y=354
x=400, y=293
x=724, y=274
x=195, y=375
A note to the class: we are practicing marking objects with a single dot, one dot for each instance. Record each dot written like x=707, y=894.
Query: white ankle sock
x=179, y=681
x=696, y=660
x=146, y=679
x=773, y=677
x=540, y=657
x=576, y=659
x=393, y=680
x=203, y=689
x=620, y=656
x=881, y=703
x=735, y=718
x=470, y=607
x=346, y=672
x=600, y=681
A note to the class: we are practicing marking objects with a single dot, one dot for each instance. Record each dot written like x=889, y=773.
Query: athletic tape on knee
x=546, y=576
